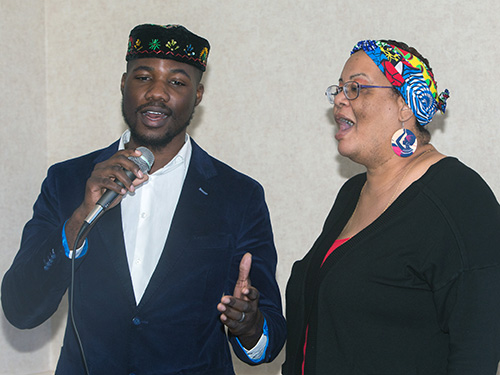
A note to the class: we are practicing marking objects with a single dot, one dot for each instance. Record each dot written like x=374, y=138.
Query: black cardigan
x=415, y=292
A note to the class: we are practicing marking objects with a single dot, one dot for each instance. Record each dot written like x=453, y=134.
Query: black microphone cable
x=85, y=228
x=145, y=162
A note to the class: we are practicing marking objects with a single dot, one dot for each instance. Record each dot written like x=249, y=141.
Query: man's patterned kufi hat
x=173, y=42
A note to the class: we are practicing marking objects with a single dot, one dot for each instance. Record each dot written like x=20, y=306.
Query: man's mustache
x=158, y=104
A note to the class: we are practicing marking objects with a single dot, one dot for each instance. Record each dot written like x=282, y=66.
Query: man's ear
x=122, y=85
x=199, y=93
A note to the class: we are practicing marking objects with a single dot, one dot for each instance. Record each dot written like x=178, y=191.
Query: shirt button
x=136, y=321
x=143, y=215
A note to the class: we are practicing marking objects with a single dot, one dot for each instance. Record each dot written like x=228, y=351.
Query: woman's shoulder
x=451, y=174
x=457, y=189
x=470, y=208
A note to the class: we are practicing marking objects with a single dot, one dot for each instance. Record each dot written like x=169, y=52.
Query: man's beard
x=154, y=143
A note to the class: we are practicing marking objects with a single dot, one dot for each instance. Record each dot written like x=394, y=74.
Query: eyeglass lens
x=351, y=91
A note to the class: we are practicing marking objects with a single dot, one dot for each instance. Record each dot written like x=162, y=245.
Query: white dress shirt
x=147, y=215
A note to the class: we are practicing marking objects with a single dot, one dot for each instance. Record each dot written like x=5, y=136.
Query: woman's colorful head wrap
x=409, y=75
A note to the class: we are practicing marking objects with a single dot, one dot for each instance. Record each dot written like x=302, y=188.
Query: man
x=167, y=267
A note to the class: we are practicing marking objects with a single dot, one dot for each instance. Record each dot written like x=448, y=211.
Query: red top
x=336, y=244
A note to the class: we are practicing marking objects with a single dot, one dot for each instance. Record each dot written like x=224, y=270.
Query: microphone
x=144, y=162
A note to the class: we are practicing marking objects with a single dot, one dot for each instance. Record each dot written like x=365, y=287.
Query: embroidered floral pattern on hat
x=189, y=50
x=204, y=55
x=168, y=42
x=172, y=45
x=154, y=44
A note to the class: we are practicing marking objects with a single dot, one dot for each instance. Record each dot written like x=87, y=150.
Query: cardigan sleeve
x=473, y=310
x=467, y=300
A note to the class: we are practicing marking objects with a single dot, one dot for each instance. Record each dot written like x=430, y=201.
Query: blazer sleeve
x=255, y=236
x=40, y=274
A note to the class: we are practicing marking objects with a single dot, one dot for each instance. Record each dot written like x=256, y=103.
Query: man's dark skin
x=159, y=98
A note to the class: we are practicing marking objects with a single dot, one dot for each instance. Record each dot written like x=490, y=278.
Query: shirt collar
x=182, y=158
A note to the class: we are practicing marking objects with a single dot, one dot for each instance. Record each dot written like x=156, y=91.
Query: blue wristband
x=79, y=252
x=265, y=332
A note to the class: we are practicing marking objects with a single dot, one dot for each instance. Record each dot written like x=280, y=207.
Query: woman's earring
x=404, y=142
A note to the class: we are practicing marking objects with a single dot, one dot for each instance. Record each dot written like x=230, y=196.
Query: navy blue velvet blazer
x=175, y=329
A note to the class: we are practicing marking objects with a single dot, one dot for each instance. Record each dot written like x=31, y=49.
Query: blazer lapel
x=110, y=231
x=194, y=200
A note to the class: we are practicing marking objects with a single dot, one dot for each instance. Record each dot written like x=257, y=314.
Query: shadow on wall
x=25, y=341
x=197, y=118
x=437, y=123
x=31, y=340
x=196, y=121
x=272, y=368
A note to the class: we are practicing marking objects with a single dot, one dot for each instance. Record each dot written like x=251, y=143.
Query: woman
x=405, y=276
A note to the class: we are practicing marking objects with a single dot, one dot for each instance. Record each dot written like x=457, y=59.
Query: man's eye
x=142, y=78
x=176, y=83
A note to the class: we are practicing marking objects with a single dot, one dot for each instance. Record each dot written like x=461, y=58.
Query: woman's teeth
x=345, y=124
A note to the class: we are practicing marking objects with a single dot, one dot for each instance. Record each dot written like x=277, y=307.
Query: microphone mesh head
x=145, y=161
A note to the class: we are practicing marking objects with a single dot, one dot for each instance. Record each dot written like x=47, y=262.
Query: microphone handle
x=105, y=200
x=110, y=195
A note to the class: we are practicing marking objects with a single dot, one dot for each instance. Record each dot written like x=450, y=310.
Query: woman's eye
x=352, y=88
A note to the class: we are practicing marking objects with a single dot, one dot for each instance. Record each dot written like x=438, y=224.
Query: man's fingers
x=251, y=293
x=233, y=312
x=243, y=277
x=245, y=265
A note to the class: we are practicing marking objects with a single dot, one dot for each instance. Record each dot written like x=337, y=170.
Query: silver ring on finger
x=242, y=317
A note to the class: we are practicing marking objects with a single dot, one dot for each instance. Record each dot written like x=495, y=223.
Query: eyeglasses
x=350, y=88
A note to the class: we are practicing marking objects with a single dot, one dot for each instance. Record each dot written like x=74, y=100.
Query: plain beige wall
x=264, y=111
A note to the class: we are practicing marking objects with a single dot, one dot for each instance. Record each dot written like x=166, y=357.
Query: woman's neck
x=384, y=184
